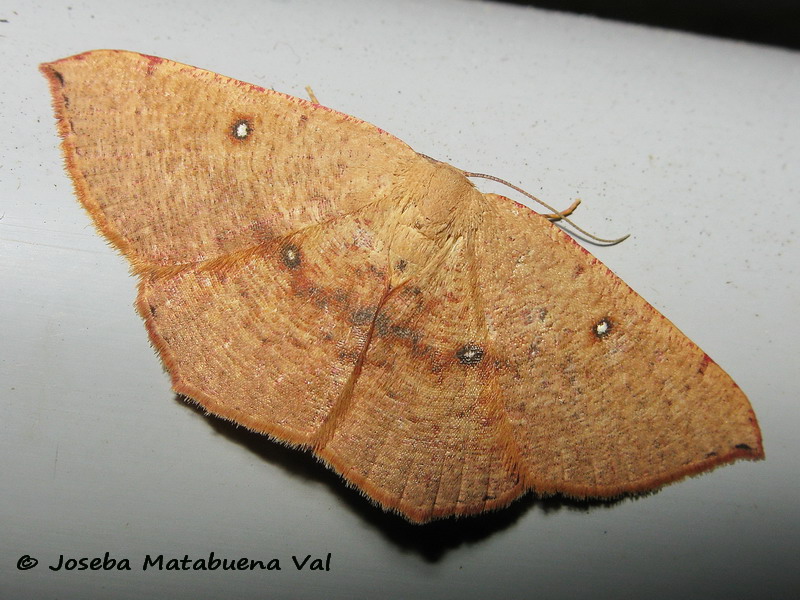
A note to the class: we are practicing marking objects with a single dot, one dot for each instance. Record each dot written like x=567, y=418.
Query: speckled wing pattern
x=311, y=277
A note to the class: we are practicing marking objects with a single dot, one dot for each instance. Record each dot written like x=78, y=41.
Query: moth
x=311, y=277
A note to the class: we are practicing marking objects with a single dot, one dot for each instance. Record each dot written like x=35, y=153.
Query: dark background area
x=774, y=22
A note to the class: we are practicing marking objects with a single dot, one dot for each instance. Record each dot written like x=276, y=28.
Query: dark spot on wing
x=470, y=354
x=291, y=257
x=362, y=316
x=382, y=324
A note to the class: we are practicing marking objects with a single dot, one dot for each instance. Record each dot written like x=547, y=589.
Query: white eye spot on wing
x=241, y=129
x=603, y=327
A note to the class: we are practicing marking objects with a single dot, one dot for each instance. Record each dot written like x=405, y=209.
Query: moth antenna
x=311, y=95
x=556, y=215
x=564, y=213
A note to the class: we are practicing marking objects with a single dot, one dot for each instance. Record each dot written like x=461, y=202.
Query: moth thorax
x=444, y=196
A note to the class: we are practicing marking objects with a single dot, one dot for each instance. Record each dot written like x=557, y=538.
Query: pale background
x=691, y=144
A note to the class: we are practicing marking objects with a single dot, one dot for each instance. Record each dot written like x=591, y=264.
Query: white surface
x=689, y=143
